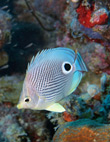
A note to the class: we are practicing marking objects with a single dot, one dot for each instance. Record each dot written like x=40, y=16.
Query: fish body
x=52, y=75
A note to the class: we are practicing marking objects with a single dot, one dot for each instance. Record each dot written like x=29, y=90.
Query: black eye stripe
x=67, y=66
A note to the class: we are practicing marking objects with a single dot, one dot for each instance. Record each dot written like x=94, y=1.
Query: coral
x=55, y=118
x=21, y=126
x=105, y=109
x=68, y=117
x=101, y=3
x=74, y=3
x=95, y=29
x=83, y=130
x=35, y=125
x=106, y=103
x=76, y=108
x=81, y=25
x=97, y=59
x=90, y=22
x=90, y=102
x=93, y=90
x=99, y=17
x=78, y=30
x=75, y=28
x=9, y=128
x=97, y=97
x=89, y=18
x=103, y=81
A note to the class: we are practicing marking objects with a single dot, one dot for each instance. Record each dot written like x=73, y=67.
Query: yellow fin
x=56, y=108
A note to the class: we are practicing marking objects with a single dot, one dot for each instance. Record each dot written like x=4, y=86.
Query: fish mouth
x=19, y=106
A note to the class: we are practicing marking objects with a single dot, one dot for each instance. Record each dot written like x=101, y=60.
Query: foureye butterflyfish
x=52, y=75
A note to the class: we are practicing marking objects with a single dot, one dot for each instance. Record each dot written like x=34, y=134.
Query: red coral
x=85, y=16
x=68, y=117
x=97, y=97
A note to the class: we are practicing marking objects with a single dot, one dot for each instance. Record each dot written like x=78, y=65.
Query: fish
x=51, y=75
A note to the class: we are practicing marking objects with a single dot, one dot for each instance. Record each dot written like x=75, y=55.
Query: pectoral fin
x=56, y=108
x=77, y=76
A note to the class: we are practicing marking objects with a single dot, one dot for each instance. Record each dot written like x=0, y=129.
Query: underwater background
x=29, y=26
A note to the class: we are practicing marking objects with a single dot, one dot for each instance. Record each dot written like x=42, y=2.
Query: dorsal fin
x=44, y=52
x=37, y=58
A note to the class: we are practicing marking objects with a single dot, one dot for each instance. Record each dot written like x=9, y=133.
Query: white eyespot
x=27, y=99
x=67, y=67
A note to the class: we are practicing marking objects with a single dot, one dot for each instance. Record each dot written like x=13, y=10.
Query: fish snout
x=19, y=106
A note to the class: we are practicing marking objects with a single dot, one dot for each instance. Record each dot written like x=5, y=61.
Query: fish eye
x=66, y=67
x=27, y=99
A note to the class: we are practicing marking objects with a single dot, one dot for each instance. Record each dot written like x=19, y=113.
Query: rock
x=3, y=58
x=36, y=11
x=23, y=48
x=5, y=27
x=55, y=8
x=10, y=88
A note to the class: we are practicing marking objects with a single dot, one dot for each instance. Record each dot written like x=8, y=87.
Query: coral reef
x=89, y=18
x=83, y=130
x=96, y=57
x=18, y=126
x=9, y=128
x=91, y=102
x=89, y=21
x=27, y=27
